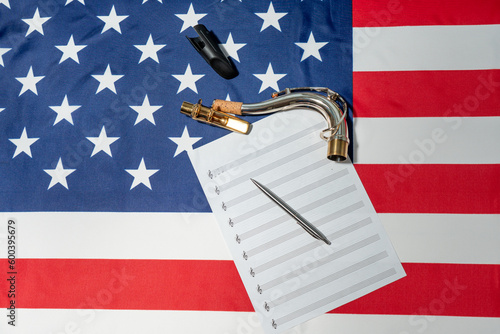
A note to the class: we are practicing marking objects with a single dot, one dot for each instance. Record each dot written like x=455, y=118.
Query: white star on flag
x=2, y=52
x=70, y=50
x=271, y=18
x=149, y=50
x=112, y=21
x=59, y=175
x=184, y=142
x=102, y=143
x=107, y=80
x=35, y=23
x=2, y=109
x=145, y=111
x=269, y=79
x=141, y=175
x=6, y=3
x=231, y=48
x=70, y=1
x=23, y=144
x=29, y=82
x=311, y=48
x=64, y=111
x=188, y=80
x=190, y=19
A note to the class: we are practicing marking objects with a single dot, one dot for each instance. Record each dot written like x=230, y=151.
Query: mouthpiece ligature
x=211, y=116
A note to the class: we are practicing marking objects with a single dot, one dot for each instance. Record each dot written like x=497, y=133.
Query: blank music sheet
x=291, y=277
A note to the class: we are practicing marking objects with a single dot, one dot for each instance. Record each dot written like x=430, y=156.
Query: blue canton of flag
x=91, y=92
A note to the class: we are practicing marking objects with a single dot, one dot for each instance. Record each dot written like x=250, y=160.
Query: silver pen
x=310, y=228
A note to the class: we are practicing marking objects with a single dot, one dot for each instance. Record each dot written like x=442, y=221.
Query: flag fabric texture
x=104, y=226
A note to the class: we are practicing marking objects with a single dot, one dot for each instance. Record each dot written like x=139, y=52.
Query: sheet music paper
x=291, y=277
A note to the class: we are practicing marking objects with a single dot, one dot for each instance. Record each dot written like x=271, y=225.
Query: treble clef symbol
x=210, y=175
x=266, y=306
x=238, y=240
x=231, y=223
x=217, y=190
x=245, y=255
x=252, y=273
x=259, y=289
x=224, y=207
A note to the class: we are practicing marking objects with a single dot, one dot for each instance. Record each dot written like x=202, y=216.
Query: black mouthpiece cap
x=208, y=47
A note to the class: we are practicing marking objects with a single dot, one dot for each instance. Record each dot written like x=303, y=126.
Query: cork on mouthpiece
x=227, y=106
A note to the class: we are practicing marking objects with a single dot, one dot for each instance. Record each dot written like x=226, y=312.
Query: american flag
x=104, y=226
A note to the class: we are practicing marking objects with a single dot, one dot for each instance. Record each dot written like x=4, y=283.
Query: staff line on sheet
x=305, y=209
x=336, y=296
x=328, y=279
x=311, y=245
x=278, y=144
x=327, y=259
x=279, y=181
x=290, y=196
x=271, y=166
x=298, y=231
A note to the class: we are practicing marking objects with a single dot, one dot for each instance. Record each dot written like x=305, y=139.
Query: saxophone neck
x=323, y=100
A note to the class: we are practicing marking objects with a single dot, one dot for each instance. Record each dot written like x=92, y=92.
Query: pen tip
x=327, y=242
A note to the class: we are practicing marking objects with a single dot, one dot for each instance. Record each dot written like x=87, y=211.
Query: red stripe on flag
x=432, y=188
x=215, y=286
x=129, y=284
x=414, y=93
x=369, y=13
x=436, y=289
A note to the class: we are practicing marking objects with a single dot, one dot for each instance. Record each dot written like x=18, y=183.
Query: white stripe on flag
x=81, y=235
x=401, y=324
x=194, y=322
x=468, y=47
x=429, y=140
x=444, y=238
x=107, y=235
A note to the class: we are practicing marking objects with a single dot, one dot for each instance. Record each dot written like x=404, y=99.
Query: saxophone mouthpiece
x=214, y=117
